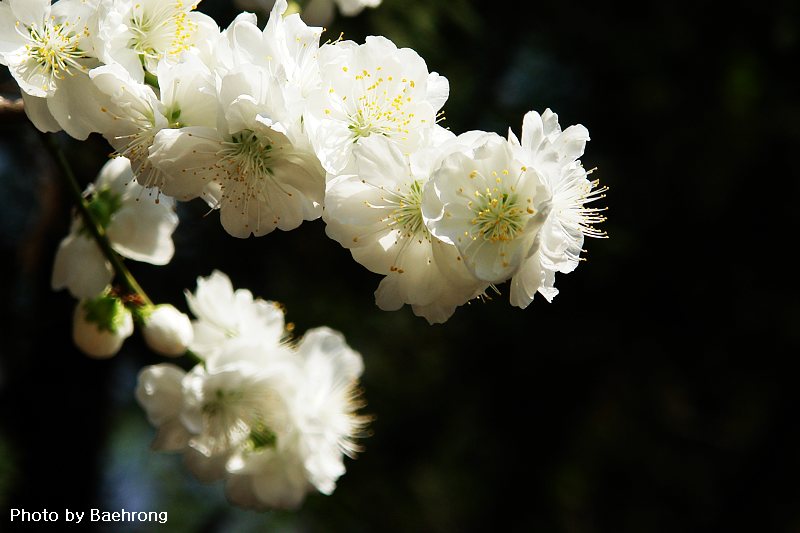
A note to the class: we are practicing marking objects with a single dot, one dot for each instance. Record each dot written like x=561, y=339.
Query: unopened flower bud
x=167, y=331
x=100, y=325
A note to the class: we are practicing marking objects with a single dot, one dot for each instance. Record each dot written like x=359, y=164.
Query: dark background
x=657, y=393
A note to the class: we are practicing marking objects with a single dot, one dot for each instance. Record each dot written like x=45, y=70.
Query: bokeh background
x=657, y=393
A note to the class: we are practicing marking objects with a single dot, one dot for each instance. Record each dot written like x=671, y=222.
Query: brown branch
x=11, y=106
x=12, y=110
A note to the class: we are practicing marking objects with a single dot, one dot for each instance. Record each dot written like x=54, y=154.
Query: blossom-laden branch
x=269, y=415
x=96, y=229
x=273, y=128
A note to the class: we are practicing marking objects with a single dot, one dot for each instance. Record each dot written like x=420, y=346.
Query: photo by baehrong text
x=92, y=515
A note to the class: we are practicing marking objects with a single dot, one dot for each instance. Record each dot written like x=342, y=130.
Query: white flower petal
x=526, y=282
x=187, y=157
x=38, y=112
x=30, y=11
x=160, y=393
x=81, y=267
x=142, y=230
x=78, y=107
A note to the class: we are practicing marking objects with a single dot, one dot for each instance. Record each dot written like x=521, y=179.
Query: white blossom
x=167, y=331
x=138, y=34
x=256, y=164
x=287, y=48
x=272, y=418
x=80, y=265
x=372, y=89
x=234, y=402
x=49, y=51
x=137, y=112
x=325, y=404
x=313, y=427
x=159, y=390
x=554, y=153
x=225, y=315
x=260, y=172
x=489, y=205
x=376, y=213
x=100, y=326
x=272, y=478
x=138, y=226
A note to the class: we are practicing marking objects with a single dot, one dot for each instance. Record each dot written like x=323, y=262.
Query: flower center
x=247, y=155
x=222, y=419
x=381, y=105
x=498, y=215
x=408, y=214
x=235, y=416
x=261, y=437
x=54, y=47
x=165, y=30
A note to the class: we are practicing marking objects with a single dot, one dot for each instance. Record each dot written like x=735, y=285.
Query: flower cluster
x=137, y=228
x=270, y=416
x=273, y=128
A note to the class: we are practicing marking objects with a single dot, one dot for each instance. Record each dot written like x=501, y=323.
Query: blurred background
x=657, y=393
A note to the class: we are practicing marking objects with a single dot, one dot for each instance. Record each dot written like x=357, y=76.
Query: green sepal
x=103, y=205
x=174, y=117
x=141, y=313
x=151, y=79
x=105, y=311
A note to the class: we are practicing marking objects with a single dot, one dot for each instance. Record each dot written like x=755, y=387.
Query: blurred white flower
x=271, y=418
x=268, y=478
x=325, y=403
x=226, y=316
x=311, y=429
x=139, y=226
x=159, y=390
x=100, y=325
x=167, y=331
x=234, y=402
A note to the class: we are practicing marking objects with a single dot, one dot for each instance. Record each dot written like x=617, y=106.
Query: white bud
x=101, y=338
x=167, y=331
